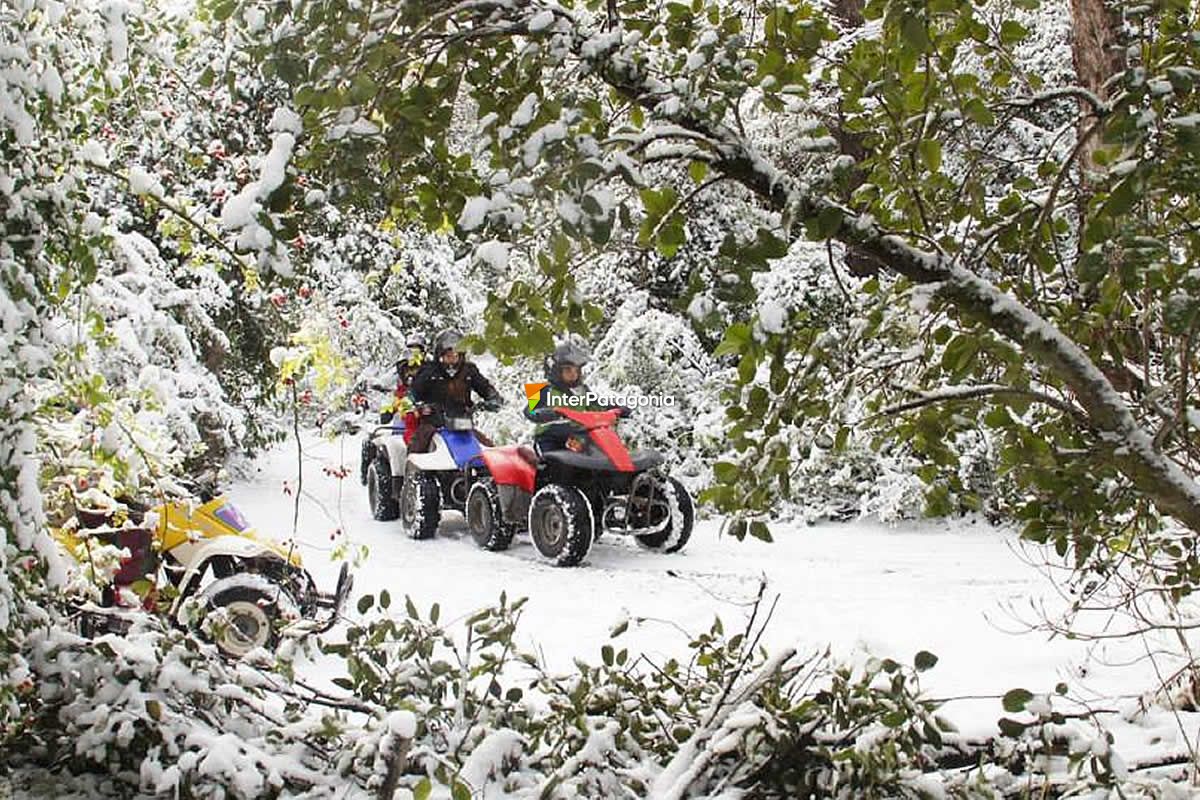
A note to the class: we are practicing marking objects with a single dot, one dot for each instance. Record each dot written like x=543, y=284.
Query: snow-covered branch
x=969, y=392
x=1098, y=107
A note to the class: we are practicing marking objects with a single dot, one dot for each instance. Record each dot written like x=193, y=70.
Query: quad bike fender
x=438, y=459
x=508, y=467
x=199, y=555
x=391, y=442
x=397, y=454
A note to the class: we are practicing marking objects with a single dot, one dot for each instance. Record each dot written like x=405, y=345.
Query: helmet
x=446, y=341
x=565, y=354
x=414, y=351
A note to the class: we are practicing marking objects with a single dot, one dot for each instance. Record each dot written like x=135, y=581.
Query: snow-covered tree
x=1052, y=312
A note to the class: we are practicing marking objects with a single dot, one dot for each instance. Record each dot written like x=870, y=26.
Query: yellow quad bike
x=208, y=551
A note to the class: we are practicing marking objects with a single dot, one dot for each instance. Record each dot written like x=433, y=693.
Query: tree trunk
x=1097, y=55
x=849, y=12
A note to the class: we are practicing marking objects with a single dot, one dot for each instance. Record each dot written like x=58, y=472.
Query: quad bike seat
x=641, y=460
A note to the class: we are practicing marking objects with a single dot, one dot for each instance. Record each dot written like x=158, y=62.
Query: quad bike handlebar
x=591, y=420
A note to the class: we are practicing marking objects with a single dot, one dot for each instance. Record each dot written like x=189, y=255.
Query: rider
x=564, y=373
x=442, y=388
x=406, y=367
x=406, y=370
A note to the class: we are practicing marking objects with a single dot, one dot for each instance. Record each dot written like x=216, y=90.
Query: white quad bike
x=415, y=487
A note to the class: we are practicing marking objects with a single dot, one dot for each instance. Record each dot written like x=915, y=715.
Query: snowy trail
x=860, y=588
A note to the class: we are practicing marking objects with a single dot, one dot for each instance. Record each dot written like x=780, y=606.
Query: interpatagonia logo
x=533, y=392
x=589, y=399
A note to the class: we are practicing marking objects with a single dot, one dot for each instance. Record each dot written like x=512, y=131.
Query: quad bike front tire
x=255, y=611
x=683, y=517
x=420, y=505
x=379, y=491
x=485, y=519
x=561, y=524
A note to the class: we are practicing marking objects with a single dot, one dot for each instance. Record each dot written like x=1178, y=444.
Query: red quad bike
x=570, y=496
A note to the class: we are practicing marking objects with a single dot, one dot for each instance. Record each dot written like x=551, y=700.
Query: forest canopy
x=895, y=258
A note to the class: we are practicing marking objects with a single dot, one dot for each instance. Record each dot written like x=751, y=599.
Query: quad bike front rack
x=624, y=507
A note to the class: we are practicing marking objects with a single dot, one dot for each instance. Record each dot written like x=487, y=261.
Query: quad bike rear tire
x=366, y=454
x=561, y=524
x=485, y=519
x=683, y=517
x=255, y=612
x=379, y=491
x=420, y=505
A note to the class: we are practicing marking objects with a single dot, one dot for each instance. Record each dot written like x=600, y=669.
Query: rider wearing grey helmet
x=443, y=387
x=564, y=373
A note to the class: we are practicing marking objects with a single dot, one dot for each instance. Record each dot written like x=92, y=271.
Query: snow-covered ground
x=962, y=591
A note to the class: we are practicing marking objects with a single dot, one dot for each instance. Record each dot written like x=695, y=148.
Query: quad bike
x=178, y=551
x=415, y=487
x=567, y=498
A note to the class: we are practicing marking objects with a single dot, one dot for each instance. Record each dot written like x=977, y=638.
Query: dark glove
x=541, y=415
x=492, y=404
x=624, y=411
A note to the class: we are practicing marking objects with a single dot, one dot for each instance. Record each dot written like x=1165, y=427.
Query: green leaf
x=460, y=791
x=737, y=337
x=1011, y=728
x=925, y=660
x=658, y=202
x=931, y=154
x=698, y=170
x=224, y=10
x=998, y=417
x=411, y=608
x=912, y=28
x=671, y=236
x=932, y=734
x=960, y=353
x=1015, y=700
x=826, y=224
x=1012, y=32
x=725, y=472
x=1122, y=198
x=978, y=112
x=840, y=439
x=365, y=602
x=385, y=599
x=606, y=654
x=422, y=790
x=759, y=530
